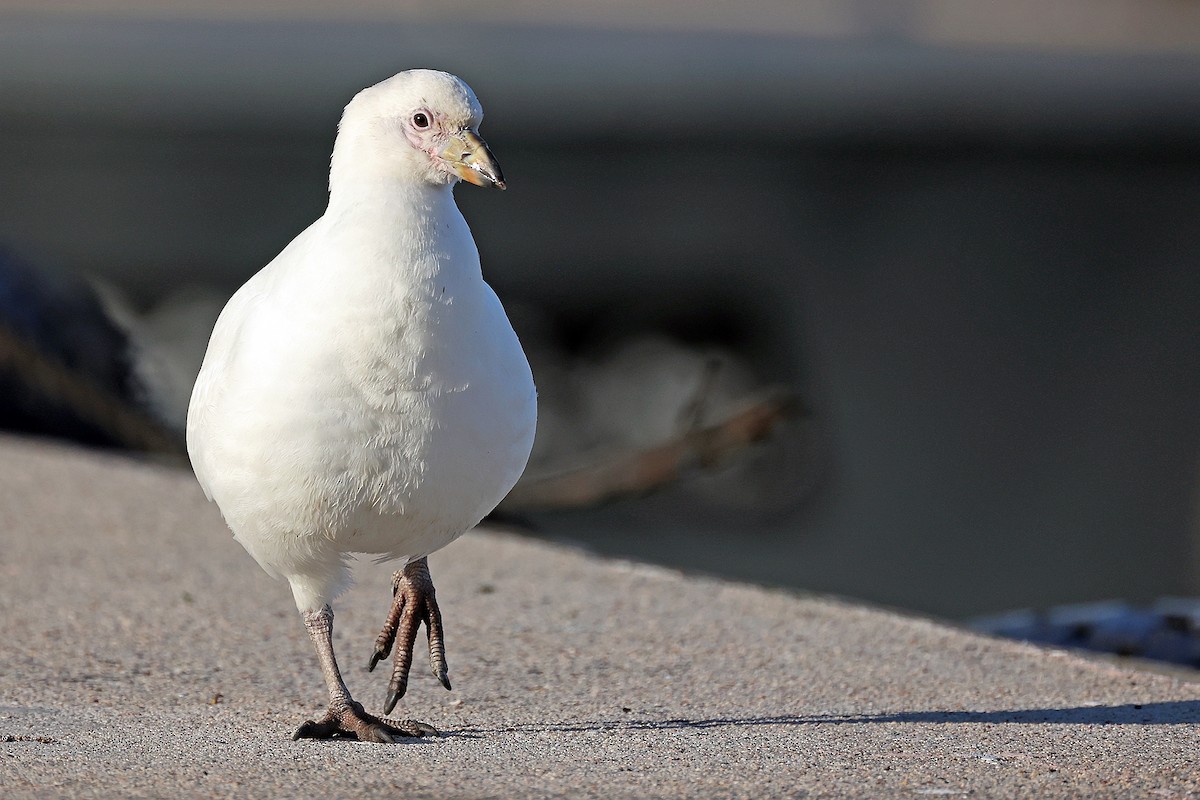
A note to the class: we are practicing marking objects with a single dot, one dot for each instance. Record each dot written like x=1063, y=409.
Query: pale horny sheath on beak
x=469, y=158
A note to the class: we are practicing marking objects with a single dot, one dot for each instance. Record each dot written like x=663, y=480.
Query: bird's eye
x=421, y=120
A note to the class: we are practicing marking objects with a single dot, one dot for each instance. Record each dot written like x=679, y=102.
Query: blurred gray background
x=965, y=234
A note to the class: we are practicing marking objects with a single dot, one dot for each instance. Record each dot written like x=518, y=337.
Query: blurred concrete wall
x=966, y=234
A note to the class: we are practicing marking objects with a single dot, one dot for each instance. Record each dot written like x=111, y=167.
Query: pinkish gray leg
x=413, y=602
x=345, y=717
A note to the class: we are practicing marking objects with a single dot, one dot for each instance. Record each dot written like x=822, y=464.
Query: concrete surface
x=145, y=655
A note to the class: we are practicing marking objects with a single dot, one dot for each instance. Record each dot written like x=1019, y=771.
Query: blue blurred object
x=65, y=366
x=1167, y=631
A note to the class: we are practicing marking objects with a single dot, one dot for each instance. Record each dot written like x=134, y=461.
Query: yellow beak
x=468, y=157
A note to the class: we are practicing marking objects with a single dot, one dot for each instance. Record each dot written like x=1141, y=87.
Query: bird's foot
x=413, y=602
x=350, y=721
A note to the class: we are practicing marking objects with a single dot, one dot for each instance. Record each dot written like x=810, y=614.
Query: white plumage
x=365, y=392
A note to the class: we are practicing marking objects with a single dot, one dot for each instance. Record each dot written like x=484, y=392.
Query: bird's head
x=421, y=126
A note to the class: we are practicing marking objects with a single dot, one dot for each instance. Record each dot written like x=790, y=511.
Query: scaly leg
x=346, y=718
x=413, y=602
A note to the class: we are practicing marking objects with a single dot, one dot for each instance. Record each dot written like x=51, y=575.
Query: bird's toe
x=378, y=734
x=411, y=727
x=314, y=729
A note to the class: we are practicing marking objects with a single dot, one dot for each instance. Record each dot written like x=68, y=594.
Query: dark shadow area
x=1169, y=713
x=1175, y=712
x=641, y=725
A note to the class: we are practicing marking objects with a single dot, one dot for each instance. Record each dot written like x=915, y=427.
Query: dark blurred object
x=1167, y=631
x=596, y=478
x=65, y=367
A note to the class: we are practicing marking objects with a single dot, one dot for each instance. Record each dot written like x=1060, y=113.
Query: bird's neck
x=366, y=195
x=413, y=231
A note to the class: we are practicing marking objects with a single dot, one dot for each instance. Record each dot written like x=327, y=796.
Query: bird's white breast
x=363, y=393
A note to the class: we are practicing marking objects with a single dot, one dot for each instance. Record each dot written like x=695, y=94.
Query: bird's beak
x=468, y=157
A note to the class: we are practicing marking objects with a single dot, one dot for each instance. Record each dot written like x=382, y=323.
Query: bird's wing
x=224, y=348
x=210, y=383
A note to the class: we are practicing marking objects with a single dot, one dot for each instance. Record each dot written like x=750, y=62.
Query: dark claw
x=380, y=735
x=376, y=657
x=393, y=698
x=444, y=679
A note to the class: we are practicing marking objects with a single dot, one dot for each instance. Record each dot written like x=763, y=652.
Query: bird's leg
x=345, y=717
x=413, y=602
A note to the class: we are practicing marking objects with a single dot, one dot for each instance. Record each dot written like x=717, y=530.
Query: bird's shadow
x=1175, y=712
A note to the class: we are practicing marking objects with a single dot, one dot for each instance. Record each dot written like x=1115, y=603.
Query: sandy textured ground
x=146, y=655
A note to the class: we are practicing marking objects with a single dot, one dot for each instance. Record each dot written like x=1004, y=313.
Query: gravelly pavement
x=145, y=654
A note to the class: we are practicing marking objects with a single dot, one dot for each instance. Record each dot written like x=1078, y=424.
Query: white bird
x=365, y=391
